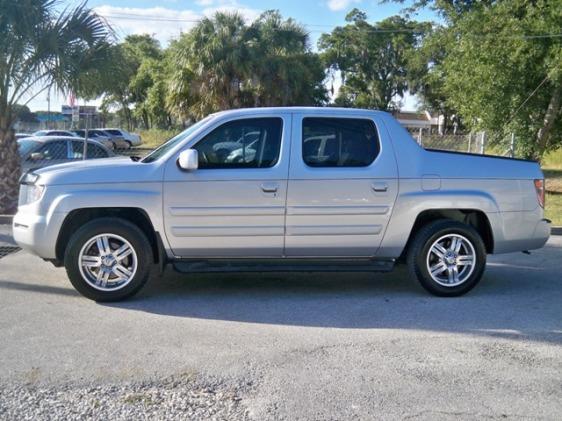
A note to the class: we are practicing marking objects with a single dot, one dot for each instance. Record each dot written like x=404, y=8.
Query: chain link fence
x=478, y=143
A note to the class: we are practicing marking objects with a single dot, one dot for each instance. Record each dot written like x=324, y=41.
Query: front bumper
x=38, y=233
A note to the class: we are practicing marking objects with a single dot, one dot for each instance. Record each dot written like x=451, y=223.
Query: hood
x=104, y=170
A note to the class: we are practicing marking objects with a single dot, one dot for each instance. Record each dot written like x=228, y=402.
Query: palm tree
x=40, y=49
x=213, y=56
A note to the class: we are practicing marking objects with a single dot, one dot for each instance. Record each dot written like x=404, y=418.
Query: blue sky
x=165, y=19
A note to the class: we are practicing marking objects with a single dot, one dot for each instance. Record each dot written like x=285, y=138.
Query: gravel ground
x=173, y=398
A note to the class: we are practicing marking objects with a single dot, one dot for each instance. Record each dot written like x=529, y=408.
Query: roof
x=311, y=110
x=47, y=138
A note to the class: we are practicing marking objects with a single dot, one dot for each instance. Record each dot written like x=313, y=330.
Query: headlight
x=29, y=191
x=34, y=193
x=29, y=178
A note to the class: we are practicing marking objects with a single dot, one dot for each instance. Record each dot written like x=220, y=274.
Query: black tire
x=129, y=144
x=116, y=226
x=420, y=248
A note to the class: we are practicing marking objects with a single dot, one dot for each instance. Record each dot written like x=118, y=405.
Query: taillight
x=539, y=187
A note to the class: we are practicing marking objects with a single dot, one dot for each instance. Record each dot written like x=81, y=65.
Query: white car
x=132, y=139
x=54, y=133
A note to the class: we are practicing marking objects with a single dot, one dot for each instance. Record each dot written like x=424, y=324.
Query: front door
x=233, y=205
x=342, y=187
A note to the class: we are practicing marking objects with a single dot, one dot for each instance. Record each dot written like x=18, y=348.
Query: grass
x=553, y=195
x=155, y=137
x=553, y=160
x=552, y=168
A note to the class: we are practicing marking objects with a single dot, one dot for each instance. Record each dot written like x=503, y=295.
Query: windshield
x=168, y=145
x=25, y=146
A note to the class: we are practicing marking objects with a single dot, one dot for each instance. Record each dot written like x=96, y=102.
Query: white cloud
x=166, y=23
x=337, y=5
x=247, y=13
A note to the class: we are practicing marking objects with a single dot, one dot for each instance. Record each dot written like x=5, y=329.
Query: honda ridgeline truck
x=282, y=189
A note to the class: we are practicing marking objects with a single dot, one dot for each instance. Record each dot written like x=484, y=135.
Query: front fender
x=146, y=197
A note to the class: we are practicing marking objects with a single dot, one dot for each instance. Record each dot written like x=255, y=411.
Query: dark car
x=43, y=151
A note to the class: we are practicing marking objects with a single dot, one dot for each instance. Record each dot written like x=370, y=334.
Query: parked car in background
x=131, y=139
x=54, y=133
x=22, y=135
x=283, y=189
x=43, y=151
x=99, y=135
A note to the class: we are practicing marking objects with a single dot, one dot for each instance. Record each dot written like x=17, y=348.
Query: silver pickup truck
x=282, y=189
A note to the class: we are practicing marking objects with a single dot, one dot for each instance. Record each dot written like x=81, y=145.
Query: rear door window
x=56, y=149
x=339, y=142
x=93, y=151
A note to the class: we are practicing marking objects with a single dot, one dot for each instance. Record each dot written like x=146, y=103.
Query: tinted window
x=248, y=143
x=93, y=151
x=114, y=132
x=53, y=150
x=25, y=146
x=339, y=142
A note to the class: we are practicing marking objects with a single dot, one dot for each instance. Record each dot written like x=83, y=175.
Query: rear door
x=233, y=205
x=342, y=186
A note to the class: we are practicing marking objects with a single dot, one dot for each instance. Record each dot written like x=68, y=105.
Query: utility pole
x=49, y=109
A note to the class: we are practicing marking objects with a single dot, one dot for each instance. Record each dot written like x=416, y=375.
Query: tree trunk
x=550, y=117
x=10, y=170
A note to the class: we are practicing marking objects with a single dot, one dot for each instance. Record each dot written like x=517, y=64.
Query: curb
x=6, y=219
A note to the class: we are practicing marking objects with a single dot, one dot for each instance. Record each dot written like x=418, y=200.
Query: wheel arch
x=475, y=218
x=138, y=216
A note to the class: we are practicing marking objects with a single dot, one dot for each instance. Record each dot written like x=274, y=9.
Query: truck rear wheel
x=447, y=257
x=108, y=259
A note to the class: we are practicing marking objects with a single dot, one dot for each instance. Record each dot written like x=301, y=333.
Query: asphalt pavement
x=285, y=346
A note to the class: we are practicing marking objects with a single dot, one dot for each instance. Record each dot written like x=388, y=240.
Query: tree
x=213, y=59
x=149, y=88
x=372, y=58
x=223, y=63
x=502, y=70
x=120, y=83
x=284, y=70
x=39, y=50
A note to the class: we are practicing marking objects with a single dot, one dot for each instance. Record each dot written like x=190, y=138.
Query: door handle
x=269, y=188
x=379, y=187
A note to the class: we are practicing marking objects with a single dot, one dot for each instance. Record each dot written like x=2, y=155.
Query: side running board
x=282, y=265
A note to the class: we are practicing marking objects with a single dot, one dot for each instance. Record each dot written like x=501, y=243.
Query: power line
x=143, y=18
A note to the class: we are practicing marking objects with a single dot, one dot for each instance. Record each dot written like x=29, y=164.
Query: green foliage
x=495, y=73
x=40, y=49
x=373, y=59
x=223, y=63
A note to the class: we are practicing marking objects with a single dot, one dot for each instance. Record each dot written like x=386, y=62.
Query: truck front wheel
x=108, y=259
x=447, y=257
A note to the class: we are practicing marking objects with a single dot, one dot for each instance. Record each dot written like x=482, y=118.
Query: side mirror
x=188, y=160
x=36, y=156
